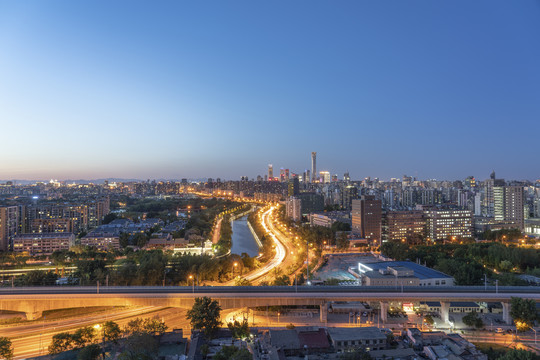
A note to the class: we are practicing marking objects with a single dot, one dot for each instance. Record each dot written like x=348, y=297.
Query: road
x=33, y=339
x=279, y=257
x=217, y=231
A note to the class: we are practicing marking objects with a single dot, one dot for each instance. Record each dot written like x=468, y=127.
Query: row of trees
x=110, y=333
x=468, y=263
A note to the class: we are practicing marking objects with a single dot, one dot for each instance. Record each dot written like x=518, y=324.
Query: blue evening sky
x=172, y=89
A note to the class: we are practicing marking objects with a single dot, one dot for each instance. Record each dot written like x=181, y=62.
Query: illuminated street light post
x=234, y=267
x=192, y=283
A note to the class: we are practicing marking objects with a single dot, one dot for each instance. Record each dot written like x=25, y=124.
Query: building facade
x=509, y=204
x=43, y=243
x=448, y=224
x=366, y=217
x=400, y=225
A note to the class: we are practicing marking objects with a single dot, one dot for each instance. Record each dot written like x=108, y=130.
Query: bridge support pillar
x=33, y=315
x=384, y=311
x=323, y=314
x=506, y=313
x=445, y=312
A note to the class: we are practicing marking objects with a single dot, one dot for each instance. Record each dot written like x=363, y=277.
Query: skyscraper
x=270, y=172
x=314, y=166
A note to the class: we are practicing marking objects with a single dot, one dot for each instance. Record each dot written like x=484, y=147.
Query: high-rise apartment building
x=314, y=166
x=509, y=202
x=366, y=217
x=293, y=208
x=9, y=226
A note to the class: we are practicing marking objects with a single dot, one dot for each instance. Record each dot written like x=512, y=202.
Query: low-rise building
x=101, y=241
x=368, y=338
x=327, y=219
x=43, y=243
x=401, y=273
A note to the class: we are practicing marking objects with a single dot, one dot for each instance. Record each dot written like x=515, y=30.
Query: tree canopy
x=205, y=315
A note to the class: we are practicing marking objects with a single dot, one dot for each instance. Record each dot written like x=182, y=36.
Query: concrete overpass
x=33, y=301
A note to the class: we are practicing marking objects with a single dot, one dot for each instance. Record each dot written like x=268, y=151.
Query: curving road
x=279, y=257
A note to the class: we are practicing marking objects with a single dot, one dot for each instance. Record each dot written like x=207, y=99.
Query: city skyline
x=186, y=90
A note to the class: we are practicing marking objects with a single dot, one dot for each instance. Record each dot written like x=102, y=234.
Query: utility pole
x=307, y=261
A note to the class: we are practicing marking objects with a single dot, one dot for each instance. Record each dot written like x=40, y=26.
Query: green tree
x=342, y=242
x=428, y=319
x=134, y=326
x=523, y=311
x=241, y=282
x=154, y=326
x=473, y=320
x=111, y=331
x=205, y=315
x=83, y=336
x=518, y=355
x=282, y=280
x=239, y=330
x=90, y=352
x=61, y=342
x=6, y=348
x=505, y=265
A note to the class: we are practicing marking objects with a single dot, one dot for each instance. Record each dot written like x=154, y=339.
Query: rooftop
x=421, y=272
x=342, y=334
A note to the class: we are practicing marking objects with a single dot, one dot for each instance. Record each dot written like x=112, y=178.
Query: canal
x=242, y=238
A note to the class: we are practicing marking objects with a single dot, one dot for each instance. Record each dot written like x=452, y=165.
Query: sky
x=194, y=89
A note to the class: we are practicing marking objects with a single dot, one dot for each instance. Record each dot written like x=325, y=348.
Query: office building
x=270, y=172
x=325, y=177
x=489, y=199
x=403, y=225
x=448, y=224
x=293, y=187
x=509, y=202
x=311, y=202
x=366, y=217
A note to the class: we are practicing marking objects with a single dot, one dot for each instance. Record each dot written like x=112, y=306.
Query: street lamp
x=192, y=283
x=235, y=265
x=98, y=327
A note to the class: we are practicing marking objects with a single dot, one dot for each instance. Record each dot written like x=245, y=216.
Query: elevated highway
x=34, y=300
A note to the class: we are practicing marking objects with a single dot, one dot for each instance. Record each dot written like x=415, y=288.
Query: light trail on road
x=33, y=339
